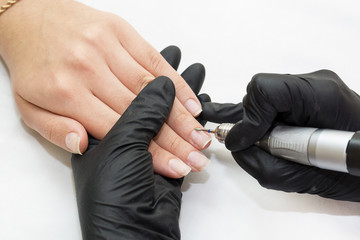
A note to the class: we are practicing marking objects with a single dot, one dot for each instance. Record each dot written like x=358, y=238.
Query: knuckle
x=156, y=62
x=155, y=151
x=262, y=81
x=268, y=87
x=327, y=72
x=143, y=80
x=183, y=117
x=79, y=58
x=175, y=144
x=49, y=130
x=95, y=32
x=181, y=86
x=258, y=82
x=258, y=79
x=60, y=88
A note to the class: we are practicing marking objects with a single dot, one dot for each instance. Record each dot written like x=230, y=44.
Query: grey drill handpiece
x=323, y=148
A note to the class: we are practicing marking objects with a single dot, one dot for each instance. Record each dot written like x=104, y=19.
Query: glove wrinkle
x=222, y=113
x=118, y=194
x=319, y=99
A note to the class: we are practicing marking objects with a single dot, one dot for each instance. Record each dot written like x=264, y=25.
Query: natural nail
x=198, y=160
x=72, y=142
x=179, y=167
x=193, y=107
x=201, y=139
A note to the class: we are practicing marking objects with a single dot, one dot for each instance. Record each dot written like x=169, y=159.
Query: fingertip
x=179, y=168
x=238, y=138
x=203, y=98
x=172, y=55
x=164, y=85
x=62, y=131
x=76, y=142
x=194, y=76
x=74, y=137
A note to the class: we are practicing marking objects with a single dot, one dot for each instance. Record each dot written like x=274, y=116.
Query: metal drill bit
x=205, y=130
x=220, y=131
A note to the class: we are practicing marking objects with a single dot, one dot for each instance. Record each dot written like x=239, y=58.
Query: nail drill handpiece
x=323, y=148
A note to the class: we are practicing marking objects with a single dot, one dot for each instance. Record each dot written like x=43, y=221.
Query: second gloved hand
x=119, y=196
x=319, y=99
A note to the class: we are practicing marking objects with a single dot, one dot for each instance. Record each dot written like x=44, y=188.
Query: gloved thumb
x=143, y=119
x=122, y=156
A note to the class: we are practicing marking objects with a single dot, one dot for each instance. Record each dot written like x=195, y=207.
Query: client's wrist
x=6, y=4
x=8, y=19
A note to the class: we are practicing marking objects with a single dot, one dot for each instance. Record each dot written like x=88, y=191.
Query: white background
x=234, y=39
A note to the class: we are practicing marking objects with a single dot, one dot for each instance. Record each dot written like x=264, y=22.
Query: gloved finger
x=222, y=113
x=168, y=194
x=279, y=174
x=194, y=75
x=117, y=193
x=122, y=156
x=268, y=96
x=311, y=99
x=143, y=119
x=172, y=55
x=204, y=98
x=138, y=125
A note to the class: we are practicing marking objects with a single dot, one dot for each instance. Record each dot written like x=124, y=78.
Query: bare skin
x=69, y=63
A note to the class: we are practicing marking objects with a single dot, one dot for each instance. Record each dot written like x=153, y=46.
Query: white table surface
x=234, y=40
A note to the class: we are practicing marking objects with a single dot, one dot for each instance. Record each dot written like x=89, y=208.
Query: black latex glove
x=319, y=99
x=194, y=75
x=118, y=195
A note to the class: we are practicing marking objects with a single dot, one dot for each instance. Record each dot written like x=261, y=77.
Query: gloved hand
x=118, y=194
x=319, y=99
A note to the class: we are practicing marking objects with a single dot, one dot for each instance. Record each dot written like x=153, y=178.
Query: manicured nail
x=198, y=160
x=72, y=142
x=193, y=107
x=201, y=139
x=179, y=167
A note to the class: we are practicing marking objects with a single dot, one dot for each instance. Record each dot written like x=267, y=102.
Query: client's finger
x=64, y=132
x=141, y=122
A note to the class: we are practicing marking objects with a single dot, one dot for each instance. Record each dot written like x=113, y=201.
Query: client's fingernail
x=193, y=107
x=179, y=167
x=198, y=160
x=201, y=139
x=72, y=141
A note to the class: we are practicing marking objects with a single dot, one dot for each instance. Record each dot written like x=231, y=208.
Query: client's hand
x=75, y=69
x=119, y=196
